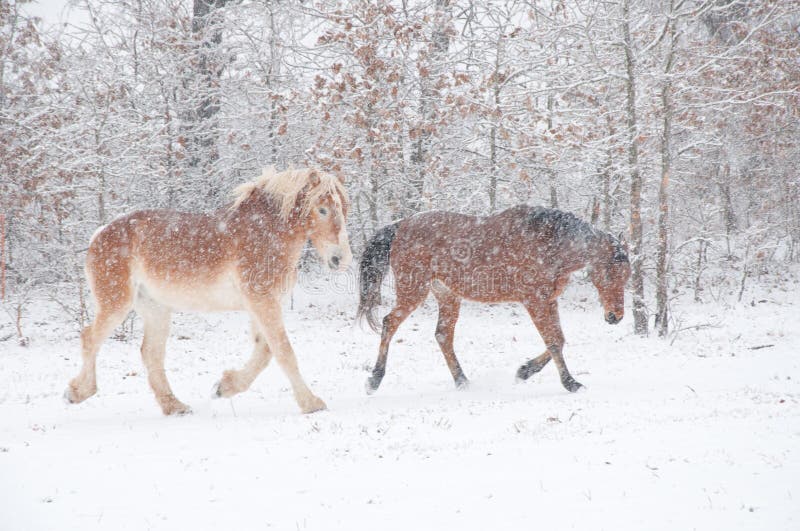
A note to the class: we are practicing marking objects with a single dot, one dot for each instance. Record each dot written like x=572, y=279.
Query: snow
x=698, y=431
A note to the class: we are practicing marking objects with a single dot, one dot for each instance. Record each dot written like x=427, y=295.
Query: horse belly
x=482, y=284
x=485, y=293
x=220, y=294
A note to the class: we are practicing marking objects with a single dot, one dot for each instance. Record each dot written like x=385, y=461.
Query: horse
x=242, y=257
x=523, y=254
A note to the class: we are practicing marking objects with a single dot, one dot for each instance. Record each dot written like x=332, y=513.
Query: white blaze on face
x=338, y=256
x=344, y=247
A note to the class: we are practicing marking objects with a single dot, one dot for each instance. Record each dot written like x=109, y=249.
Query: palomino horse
x=523, y=254
x=240, y=258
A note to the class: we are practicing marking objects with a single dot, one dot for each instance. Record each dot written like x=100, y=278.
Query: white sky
x=55, y=11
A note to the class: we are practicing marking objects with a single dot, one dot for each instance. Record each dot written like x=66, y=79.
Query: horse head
x=610, y=270
x=325, y=202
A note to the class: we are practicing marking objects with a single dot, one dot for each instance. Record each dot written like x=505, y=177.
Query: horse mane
x=567, y=226
x=285, y=187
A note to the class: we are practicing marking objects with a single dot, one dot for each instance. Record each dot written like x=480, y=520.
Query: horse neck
x=260, y=213
x=588, y=250
x=597, y=252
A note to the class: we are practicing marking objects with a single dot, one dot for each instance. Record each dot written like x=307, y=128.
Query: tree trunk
x=606, y=193
x=792, y=199
x=269, y=81
x=637, y=274
x=553, y=191
x=662, y=298
x=101, y=199
x=550, y=172
x=493, y=137
x=492, y=169
x=440, y=42
x=101, y=178
x=374, y=185
x=609, y=199
x=208, y=37
x=699, y=269
x=373, y=175
x=169, y=152
x=727, y=206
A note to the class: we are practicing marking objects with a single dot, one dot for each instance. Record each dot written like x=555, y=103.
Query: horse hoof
x=216, y=392
x=523, y=373
x=73, y=396
x=371, y=386
x=462, y=383
x=177, y=410
x=227, y=386
x=313, y=405
x=572, y=386
x=67, y=396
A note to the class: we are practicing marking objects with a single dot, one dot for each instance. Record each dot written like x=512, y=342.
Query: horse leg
x=449, y=306
x=270, y=322
x=84, y=384
x=234, y=382
x=407, y=302
x=156, y=319
x=533, y=366
x=546, y=319
x=391, y=323
x=411, y=287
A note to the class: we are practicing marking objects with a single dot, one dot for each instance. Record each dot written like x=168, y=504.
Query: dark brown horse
x=524, y=254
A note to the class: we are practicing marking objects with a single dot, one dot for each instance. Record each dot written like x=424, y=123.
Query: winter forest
x=673, y=123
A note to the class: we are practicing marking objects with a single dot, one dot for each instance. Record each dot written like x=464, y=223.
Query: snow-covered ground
x=699, y=431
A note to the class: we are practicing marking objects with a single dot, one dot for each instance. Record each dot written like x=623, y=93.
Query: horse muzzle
x=339, y=260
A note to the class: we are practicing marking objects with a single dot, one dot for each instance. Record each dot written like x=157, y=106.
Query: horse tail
x=373, y=267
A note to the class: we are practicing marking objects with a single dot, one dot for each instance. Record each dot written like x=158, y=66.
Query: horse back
x=162, y=251
x=504, y=257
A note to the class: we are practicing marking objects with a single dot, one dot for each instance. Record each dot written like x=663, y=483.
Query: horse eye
x=323, y=211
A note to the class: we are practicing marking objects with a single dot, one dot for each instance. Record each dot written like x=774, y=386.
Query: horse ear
x=313, y=178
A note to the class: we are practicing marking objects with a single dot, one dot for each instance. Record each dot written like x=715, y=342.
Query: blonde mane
x=285, y=186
